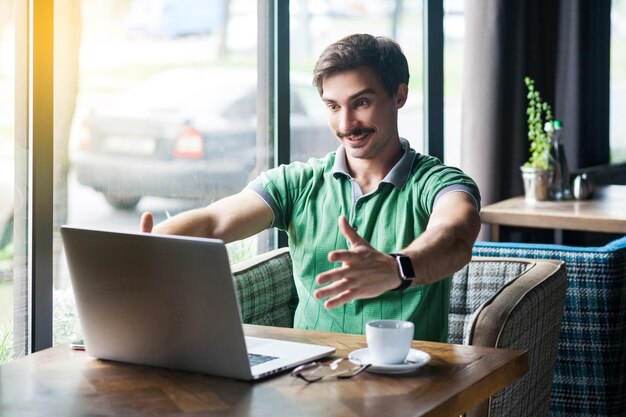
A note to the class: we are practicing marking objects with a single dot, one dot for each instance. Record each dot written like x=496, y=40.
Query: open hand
x=365, y=272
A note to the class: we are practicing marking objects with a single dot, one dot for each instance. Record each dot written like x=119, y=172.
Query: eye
x=332, y=106
x=361, y=102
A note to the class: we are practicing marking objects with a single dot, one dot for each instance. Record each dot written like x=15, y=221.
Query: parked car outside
x=188, y=134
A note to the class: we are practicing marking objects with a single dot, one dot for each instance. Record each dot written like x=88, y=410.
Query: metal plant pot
x=536, y=183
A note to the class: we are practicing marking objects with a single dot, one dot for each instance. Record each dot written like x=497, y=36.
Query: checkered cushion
x=512, y=304
x=265, y=288
x=590, y=371
x=472, y=286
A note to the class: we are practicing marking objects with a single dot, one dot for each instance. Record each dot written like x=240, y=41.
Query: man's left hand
x=364, y=273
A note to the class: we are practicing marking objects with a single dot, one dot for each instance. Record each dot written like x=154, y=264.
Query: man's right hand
x=146, y=223
x=232, y=218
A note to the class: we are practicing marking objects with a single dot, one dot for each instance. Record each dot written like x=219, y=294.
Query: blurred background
x=156, y=109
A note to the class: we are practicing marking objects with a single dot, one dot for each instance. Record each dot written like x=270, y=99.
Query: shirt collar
x=399, y=174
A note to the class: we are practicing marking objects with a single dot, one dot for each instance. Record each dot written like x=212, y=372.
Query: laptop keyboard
x=256, y=359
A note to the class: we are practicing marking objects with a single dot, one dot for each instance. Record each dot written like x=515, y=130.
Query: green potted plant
x=537, y=171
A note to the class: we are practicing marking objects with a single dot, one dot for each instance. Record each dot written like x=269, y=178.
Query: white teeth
x=357, y=138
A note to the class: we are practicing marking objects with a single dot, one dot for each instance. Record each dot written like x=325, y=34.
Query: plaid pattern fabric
x=590, y=369
x=265, y=289
x=472, y=286
x=533, y=325
x=532, y=315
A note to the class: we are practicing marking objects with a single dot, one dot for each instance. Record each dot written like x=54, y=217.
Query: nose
x=347, y=120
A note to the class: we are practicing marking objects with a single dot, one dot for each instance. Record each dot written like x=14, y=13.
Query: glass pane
x=454, y=39
x=315, y=25
x=155, y=109
x=12, y=288
x=618, y=81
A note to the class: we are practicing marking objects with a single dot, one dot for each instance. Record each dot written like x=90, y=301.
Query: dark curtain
x=583, y=80
x=564, y=46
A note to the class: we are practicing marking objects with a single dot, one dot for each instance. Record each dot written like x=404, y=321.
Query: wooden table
x=62, y=382
x=605, y=212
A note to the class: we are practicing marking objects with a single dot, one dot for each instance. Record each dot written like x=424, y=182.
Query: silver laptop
x=168, y=301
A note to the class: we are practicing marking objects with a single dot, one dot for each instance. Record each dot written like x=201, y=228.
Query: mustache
x=355, y=132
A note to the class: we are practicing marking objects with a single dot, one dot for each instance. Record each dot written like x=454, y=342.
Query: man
x=388, y=199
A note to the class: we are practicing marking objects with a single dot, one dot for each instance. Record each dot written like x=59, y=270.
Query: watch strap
x=406, y=276
x=406, y=283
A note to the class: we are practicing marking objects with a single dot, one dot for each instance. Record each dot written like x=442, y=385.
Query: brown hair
x=382, y=54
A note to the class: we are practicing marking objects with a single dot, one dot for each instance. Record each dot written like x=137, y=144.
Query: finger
x=331, y=276
x=344, y=256
x=332, y=290
x=351, y=235
x=343, y=298
x=147, y=222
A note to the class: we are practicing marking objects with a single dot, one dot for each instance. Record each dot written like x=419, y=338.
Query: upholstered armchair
x=590, y=370
x=506, y=303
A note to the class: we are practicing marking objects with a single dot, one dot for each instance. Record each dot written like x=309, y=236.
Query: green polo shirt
x=307, y=199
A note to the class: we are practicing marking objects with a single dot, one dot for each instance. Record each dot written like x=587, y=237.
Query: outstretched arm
x=231, y=218
x=443, y=248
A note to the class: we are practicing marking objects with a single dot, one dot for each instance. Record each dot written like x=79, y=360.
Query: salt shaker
x=582, y=188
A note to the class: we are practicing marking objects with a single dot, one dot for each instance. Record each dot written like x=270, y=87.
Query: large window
x=14, y=208
x=155, y=110
x=161, y=106
x=618, y=81
x=7, y=145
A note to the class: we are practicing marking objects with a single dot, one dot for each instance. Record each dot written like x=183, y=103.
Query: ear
x=401, y=95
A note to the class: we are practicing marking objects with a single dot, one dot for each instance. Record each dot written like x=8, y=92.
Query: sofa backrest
x=512, y=304
x=590, y=371
x=265, y=288
x=474, y=285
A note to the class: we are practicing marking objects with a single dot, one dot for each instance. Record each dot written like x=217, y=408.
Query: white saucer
x=414, y=360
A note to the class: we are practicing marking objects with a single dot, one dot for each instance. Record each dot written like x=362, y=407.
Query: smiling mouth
x=355, y=135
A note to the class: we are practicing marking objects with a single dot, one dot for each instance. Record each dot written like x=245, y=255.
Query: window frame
x=42, y=173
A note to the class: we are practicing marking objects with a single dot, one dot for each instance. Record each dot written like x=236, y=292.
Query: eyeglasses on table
x=339, y=368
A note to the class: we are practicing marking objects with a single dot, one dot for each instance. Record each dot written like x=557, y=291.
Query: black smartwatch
x=406, y=271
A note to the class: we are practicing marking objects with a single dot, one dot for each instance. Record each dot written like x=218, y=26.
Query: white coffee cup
x=389, y=341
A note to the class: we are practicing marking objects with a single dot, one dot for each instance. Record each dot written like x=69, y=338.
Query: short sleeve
x=431, y=177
